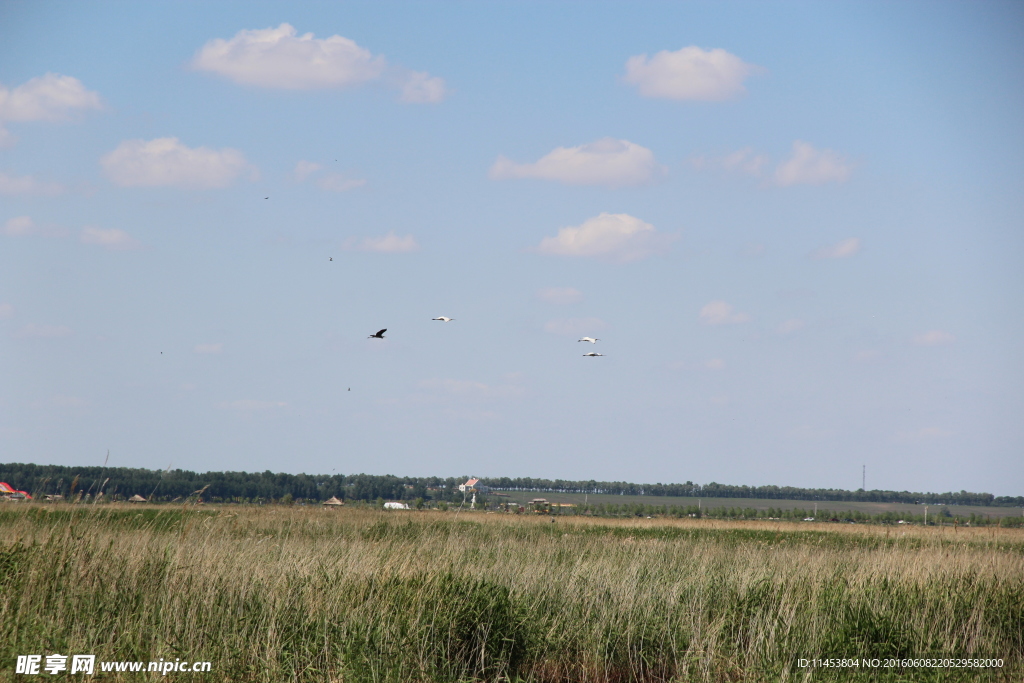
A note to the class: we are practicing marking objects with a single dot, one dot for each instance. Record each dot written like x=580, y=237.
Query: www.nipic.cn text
x=35, y=665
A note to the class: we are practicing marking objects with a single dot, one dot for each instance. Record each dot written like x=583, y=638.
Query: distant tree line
x=166, y=485
x=714, y=490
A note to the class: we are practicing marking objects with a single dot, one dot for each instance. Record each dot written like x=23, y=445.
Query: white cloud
x=6, y=138
x=6, y=310
x=721, y=313
x=608, y=162
x=304, y=169
x=338, y=182
x=165, y=161
x=744, y=161
x=573, y=327
x=714, y=364
x=332, y=182
x=279, y=58
x=113, y=239
x=208, y=348
x=43, y=331
x=560, y=295
x=616, y=237
x=810, y=166
x=23, y=226
x=250, y=405
x=689, y=74
x=47, y=98
x=419, y=87
x=923, y=434
x=790, y=326
x=19, y=226
x=845, y=249
x=934, y=338
x=12, y=185
x=388, y=244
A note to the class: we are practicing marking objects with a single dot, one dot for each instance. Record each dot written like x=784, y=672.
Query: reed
x=306, y=594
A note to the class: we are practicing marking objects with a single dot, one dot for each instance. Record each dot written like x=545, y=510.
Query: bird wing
x=381, y=333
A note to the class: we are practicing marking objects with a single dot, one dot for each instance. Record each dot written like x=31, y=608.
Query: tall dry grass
x=288, y=594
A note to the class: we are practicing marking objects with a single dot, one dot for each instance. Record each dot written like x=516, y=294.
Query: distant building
x=136, y=499
x=396, y=506
x=334, y=502
x=473, y=485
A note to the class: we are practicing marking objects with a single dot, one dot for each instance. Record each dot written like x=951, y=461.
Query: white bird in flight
x=443, y=319
x=593, y=353
x=589, y=339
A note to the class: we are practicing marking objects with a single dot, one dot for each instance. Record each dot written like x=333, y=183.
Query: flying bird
x=443, y=319
x=593, y=353
x=378, y=335
x=589, y=339
x=331, y=259
x=266, y=197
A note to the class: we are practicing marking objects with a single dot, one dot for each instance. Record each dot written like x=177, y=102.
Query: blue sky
x=794, y=227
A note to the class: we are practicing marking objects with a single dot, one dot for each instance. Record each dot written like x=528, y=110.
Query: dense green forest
x=166, y=485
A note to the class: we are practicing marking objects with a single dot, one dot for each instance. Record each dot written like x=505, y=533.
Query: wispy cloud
x=690, y=73
x=560, y=296
x=280, y=58
x=208, y=349
x=608, y=162
x=339, y=182
x=744, y=161
x=26, y=184
x=167, y=162
x=6, y=310
x=790, y=326
x=810, y=166
x=34, y=331
x=934, y=338
x=112, y=238
x=714, y=364
x=388, y=244
x=615, y=237
x=844, y=249
x=332, y=182
x=19, y=226
x=721, y=313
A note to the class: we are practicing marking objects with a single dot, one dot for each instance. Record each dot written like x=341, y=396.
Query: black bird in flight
x=331, y=259
x=379, y=335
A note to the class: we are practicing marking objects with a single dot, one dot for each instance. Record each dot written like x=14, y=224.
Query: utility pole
x=863, y=477
x=926, y=515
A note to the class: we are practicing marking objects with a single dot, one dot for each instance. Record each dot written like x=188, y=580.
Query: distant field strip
x=760, y=504
x=307, y=594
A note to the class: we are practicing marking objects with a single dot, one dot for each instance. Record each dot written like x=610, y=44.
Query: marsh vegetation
x=307, y=594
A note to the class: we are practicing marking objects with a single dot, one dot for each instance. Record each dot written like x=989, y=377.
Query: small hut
x=136, y=499
x=333, y=502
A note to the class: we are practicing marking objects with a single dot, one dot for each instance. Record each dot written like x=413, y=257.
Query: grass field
x=962, y=511
x=307, y=594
